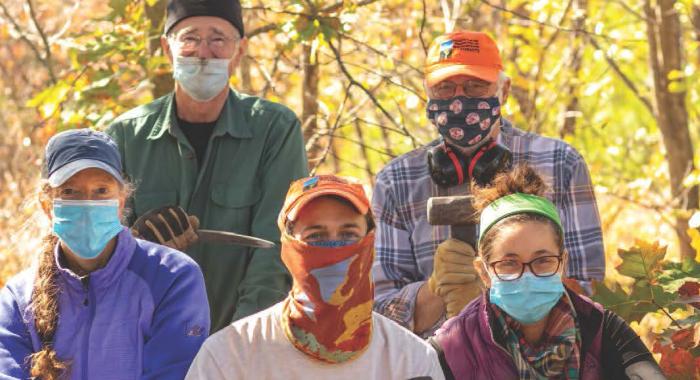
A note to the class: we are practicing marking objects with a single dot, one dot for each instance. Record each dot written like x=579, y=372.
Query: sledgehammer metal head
x=456, y=211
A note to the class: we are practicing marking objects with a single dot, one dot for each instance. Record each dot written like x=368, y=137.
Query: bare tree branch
x=23, y=37
x=422, y=27
x=47, y=47
x=354, y=82
x=542, y=23
x=628, y=82
x=312, y=172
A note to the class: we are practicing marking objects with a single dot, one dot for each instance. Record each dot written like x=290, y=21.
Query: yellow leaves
x=49, y=99
x=694, y=234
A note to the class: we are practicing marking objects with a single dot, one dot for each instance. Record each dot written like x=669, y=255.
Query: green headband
x=513, y=204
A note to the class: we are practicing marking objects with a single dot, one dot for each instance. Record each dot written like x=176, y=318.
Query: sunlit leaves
x=641, y=262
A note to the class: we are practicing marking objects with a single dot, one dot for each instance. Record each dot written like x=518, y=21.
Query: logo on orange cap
x=302, y=191
x=463, y=53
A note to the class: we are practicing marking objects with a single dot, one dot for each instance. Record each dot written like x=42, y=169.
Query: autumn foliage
x=618, y=80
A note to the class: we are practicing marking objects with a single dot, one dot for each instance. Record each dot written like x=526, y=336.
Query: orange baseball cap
x=462, y=53
x=304, y=190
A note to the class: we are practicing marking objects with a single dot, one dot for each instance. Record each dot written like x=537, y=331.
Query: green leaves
x=642, y=262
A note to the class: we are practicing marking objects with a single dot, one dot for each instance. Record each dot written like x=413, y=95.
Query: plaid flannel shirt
x=406, y=242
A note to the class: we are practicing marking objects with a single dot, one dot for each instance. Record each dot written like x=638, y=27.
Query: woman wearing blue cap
x=99, y=304
x=528, y=325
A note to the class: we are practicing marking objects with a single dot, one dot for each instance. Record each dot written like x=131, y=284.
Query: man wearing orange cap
x=325, y=328
x=422, y=275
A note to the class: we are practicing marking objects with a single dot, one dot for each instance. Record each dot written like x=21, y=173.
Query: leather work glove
x=456, y=297
x=169, y=226
x=454, y=278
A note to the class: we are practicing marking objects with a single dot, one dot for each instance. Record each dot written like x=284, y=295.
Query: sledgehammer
x=456, y=211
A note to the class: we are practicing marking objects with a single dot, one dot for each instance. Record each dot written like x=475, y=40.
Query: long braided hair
x=45, y=363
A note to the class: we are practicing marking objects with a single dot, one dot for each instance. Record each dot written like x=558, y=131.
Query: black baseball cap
x=229, y=10
x=71, y=151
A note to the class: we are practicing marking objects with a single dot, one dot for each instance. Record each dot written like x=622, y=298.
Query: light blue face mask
x=202, y=79
x=86, y=226
x=330, y=278
x=527, y=299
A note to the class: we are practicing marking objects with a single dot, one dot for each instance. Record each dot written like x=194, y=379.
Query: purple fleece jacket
x=143, y=316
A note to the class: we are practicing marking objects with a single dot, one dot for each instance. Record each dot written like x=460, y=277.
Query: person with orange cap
x=325, y=328
x=422, y=275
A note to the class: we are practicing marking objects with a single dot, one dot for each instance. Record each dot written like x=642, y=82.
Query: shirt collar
x=104, y=276
x=232, y=121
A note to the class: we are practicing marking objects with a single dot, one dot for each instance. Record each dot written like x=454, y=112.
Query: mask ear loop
x=478, y=155
x=458, y=166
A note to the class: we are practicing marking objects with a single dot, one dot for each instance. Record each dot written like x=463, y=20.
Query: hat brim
x=361, y=205
x=63, y=174
x=441, y=72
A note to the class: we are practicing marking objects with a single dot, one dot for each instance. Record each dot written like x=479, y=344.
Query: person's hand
x=454, y=277
x=169, y=226
x=456, y=297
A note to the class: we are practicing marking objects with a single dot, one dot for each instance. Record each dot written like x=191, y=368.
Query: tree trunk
x=577, y=42
x=162, y=83
x=309, y=115
x=665, y=55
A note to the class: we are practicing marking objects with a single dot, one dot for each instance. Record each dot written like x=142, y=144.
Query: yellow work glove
x=454, y=278
x=169, y=226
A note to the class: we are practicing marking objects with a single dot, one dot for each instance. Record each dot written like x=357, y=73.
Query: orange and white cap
x=304, y=190
x=462, y=53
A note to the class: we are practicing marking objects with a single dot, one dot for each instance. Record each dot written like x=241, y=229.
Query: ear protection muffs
x=448, y=168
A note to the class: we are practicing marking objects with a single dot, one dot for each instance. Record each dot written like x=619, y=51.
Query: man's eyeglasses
x=190, y=43
x=471, y=88
x=510, y=270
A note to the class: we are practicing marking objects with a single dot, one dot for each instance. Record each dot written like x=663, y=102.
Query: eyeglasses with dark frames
x=511, y=270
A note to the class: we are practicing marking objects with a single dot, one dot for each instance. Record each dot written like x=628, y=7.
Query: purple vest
x=472, y=353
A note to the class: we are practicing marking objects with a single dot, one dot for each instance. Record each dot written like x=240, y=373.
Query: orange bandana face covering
x=328, y=314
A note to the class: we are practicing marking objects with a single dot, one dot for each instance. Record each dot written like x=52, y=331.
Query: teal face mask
x=527, y=299
x=86, y=226
x=202, y=79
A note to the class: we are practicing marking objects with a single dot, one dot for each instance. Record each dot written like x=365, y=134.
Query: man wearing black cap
x=223, y=157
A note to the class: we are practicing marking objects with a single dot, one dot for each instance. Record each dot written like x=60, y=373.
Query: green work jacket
x=256, y=150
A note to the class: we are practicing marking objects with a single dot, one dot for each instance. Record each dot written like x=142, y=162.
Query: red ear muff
x=480, y=153
x=458, y=165
x=447, y=168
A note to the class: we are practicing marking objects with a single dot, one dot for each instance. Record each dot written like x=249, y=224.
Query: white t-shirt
x=257, y=348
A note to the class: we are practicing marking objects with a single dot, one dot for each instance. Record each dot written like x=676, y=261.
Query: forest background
x=616, y=79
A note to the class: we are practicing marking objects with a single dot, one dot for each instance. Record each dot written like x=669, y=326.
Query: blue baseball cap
x=71, y=151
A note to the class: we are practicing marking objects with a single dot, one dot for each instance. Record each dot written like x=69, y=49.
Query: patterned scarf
x=328, y=314
x=559, y=352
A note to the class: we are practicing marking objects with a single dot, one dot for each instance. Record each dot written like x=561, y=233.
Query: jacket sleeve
x=266, y=280
x=583, y=236
x=179, y=326
x=397, y=279
x=624, y=355
x=15, y=342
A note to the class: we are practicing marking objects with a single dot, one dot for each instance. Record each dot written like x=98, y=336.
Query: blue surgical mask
x=86, y=226
x=202, y=79
x=527, y=299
